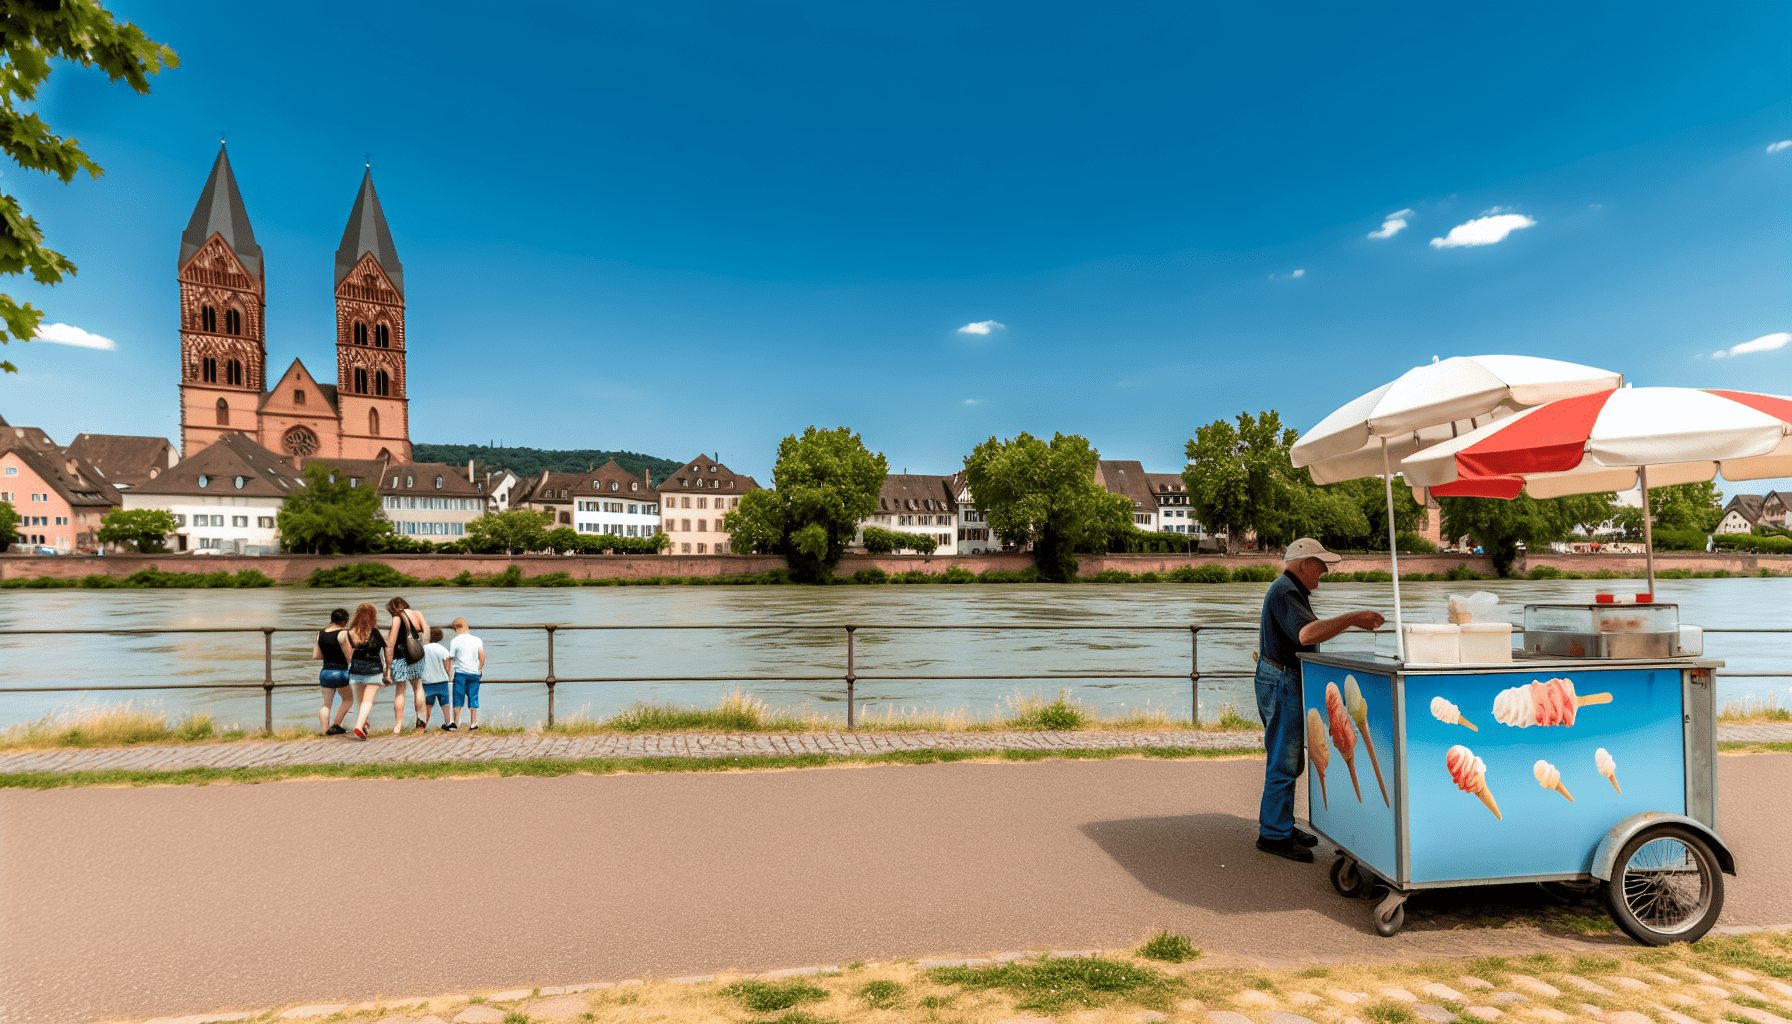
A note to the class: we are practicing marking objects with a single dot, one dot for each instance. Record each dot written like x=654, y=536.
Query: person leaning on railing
x=407, y=624
x=334, y=676
x=1288, y=629
x=366, y=651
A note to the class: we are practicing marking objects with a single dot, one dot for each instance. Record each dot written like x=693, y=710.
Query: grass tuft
x=765, y=996
x=1054, y=983
x=1171, y=949
x=882, y=994
x=1388, y=1012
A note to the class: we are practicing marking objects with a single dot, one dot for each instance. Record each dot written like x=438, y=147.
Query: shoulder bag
x=413, y=648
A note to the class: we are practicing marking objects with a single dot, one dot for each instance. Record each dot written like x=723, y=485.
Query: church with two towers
x=224, y=387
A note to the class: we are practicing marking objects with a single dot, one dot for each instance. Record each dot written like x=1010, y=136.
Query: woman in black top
x=334, y=677
x=366, y=651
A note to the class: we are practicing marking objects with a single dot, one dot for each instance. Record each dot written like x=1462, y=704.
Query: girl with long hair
x=366, y=651
x=334, y=677
x=407, y=623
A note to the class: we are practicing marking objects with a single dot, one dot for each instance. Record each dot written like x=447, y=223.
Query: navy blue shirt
x=1285, y=611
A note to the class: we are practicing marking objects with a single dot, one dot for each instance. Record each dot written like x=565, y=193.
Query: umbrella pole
x=1642, y=476
x=1387, y=479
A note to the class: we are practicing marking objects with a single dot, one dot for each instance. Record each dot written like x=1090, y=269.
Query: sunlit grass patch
x=125, y=725
x=1171, y=949
x=1058, y=983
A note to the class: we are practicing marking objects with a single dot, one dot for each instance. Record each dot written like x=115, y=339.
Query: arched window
x=233, y=321
x=373, y=421
x=438, y=483
x=382, y=336
x=361, y=383
x=223, y=413
x=233, y=372
x=360, y=334
x=382, y=384
x=208, y=370
x=208, y=318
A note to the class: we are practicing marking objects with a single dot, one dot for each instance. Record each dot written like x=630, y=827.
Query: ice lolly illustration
x=1317, y=753
x=1449, y=714
x=1359, y=712
x=1470, y=775
x=1542, y=703
x=1343, y=733
x=1607, y=767
x=1550, y=778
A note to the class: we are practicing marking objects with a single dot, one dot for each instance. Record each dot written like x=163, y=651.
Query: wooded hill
x=527, y=462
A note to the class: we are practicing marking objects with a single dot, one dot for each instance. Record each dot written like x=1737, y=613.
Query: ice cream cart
x=1587, y=758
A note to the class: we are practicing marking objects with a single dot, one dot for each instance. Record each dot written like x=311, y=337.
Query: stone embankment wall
x=1735, y=563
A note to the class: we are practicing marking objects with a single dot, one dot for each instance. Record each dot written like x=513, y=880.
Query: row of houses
x=226, y=497
x=1747, y=511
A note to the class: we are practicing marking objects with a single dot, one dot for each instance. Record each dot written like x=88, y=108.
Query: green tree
x=883, y=542
x=1235, y=476
x=1697, y=506
x=1046, y=495
x=329, y=516
x=1371, y=499
x=824, y=483
x=145, y=529
x=9, y=523
x=519, y=529
x=1498, y=525
x=32, y=33
x=563, y=540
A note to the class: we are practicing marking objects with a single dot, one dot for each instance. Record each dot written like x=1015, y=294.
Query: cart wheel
x=1387, y=924
x=1667, y=887
x=1347, y=879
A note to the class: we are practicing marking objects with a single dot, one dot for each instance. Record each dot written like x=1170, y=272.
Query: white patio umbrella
x=1429, y=405
x=1612, y=441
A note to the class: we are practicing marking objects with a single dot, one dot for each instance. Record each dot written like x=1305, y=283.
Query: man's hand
x=1368, y=620
x=1324, y=629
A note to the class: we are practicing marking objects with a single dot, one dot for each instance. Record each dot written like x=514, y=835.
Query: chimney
x=470, y=474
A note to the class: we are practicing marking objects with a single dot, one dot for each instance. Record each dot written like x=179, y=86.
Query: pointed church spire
x=367, y=232
x=221, y=211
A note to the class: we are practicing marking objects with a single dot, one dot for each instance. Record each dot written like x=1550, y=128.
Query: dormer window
x=239, y=483
x=410, y=481
x=634, y=485
x=614, y=486
x=438, y=483
x=204, y=481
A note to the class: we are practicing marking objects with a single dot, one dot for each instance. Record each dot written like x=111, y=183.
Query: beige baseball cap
x=1307, y=547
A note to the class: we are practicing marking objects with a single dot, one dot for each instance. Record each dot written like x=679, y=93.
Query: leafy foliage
x=32, y=34
x=1498, y=525
x=367, y=575
x=824, y=483
x=764, y=995
x=528, y=462
x=883, y=542
x=9, y=523
x=330, y=516
x=1171, y=949
x=882, y=994
x=1046, y=495
x=1694, y=507
x=519, y=529
x=151, y=578
x=1057, y=983
x=142, y=528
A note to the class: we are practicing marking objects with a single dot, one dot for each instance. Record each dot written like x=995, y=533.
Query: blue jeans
x=1284, y=723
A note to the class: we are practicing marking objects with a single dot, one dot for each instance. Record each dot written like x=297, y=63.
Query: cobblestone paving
x=1676, y=993
x=437, y=747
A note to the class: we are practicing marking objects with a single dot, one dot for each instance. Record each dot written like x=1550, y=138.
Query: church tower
x=223, y=296
x=370, y=337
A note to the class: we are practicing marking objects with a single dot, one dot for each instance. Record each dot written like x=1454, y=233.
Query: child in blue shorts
x=469, y=665
x=436, y=675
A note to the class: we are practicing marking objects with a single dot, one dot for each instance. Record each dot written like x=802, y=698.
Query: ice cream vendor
x=1288, y=628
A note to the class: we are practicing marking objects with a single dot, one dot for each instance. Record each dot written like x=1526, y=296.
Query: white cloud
x=1775, y=147
x=1299, y=273
x=1393, y=225
x=972, y=401
x=1483, y=231
x=1765, y=343
x=982, y=327
x=68, y=334
x=1291, y=276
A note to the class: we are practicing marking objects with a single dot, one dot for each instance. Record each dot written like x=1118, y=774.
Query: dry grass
x=1753, y=710
x=887, y=993
x=125, y=725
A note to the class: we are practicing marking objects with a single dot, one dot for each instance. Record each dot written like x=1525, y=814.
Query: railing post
x=550, y=680
x=267, y=677
x=1194, y=673
x=851, y=719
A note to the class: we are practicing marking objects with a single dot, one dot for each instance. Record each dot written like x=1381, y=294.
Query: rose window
x=300, y=441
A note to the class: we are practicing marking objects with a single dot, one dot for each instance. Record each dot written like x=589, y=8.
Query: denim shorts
x=435, y=693
x=333, y=678
x=466, y=690
x=371, y=679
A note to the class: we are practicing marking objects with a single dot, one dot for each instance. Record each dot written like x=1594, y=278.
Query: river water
x=767, y=643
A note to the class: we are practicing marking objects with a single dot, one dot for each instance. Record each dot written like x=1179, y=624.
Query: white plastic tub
x=1433, y=643
x=1485, y=642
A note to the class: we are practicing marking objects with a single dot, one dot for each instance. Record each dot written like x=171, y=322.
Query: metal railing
x=851, y=677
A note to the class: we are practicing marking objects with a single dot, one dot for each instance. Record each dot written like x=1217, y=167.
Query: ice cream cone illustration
x=1550, y=778
x=1542, y=703
x=1359, y=713
x=1449, y=714
x=1343, y=733
x=1317, y=753
x=1470, y=775
x=1607, y=767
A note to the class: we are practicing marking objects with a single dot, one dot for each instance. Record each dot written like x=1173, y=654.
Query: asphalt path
x=138, y=902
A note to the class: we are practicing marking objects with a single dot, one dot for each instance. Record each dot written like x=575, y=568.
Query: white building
x=1173, y=514
x=694, y=499
x=974, y=535
x=609, y=501
x=1129, y=480
x=430, y=501
x=916, y=503
x=224, y=499
x=499, y=487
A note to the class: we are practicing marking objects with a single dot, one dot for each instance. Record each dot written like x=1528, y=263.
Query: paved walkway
x=437, y=747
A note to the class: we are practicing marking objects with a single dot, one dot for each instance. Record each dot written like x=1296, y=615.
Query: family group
x=358, y=659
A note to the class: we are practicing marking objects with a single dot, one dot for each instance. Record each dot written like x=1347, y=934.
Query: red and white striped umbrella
x=1600, y=442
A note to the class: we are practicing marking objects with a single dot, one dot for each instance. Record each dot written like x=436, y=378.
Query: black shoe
x=334, y=730
x=451, y=726
x=1285, y=848
x=1306, y=839
x=446, y=726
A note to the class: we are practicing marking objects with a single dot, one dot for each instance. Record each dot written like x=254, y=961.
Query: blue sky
x=675, y=228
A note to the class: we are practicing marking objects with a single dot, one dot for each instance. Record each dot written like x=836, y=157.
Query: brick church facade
x=224, y=386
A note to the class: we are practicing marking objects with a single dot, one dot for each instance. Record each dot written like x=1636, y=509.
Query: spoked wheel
x=1349, y=881
x=1666, y=887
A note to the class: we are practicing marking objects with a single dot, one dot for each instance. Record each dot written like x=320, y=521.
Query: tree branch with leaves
x=1045, y=494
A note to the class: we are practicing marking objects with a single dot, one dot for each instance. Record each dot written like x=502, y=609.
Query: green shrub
x=764, y=996
x=959, y=574
x=1545, y=572
x=1111, y=576
x=1255, y=574
x=881, y=994
x=373, y=575
x=1150, y=577
x=1406, y=540
x=1421, y=577
x=873, y=575
x=1171, y=949
x=883, y=542
x=552, y=579
x=1369, y=576
x=1208, y=573
x=1463, y=572
x=1678, y=540
x=1028, y=575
